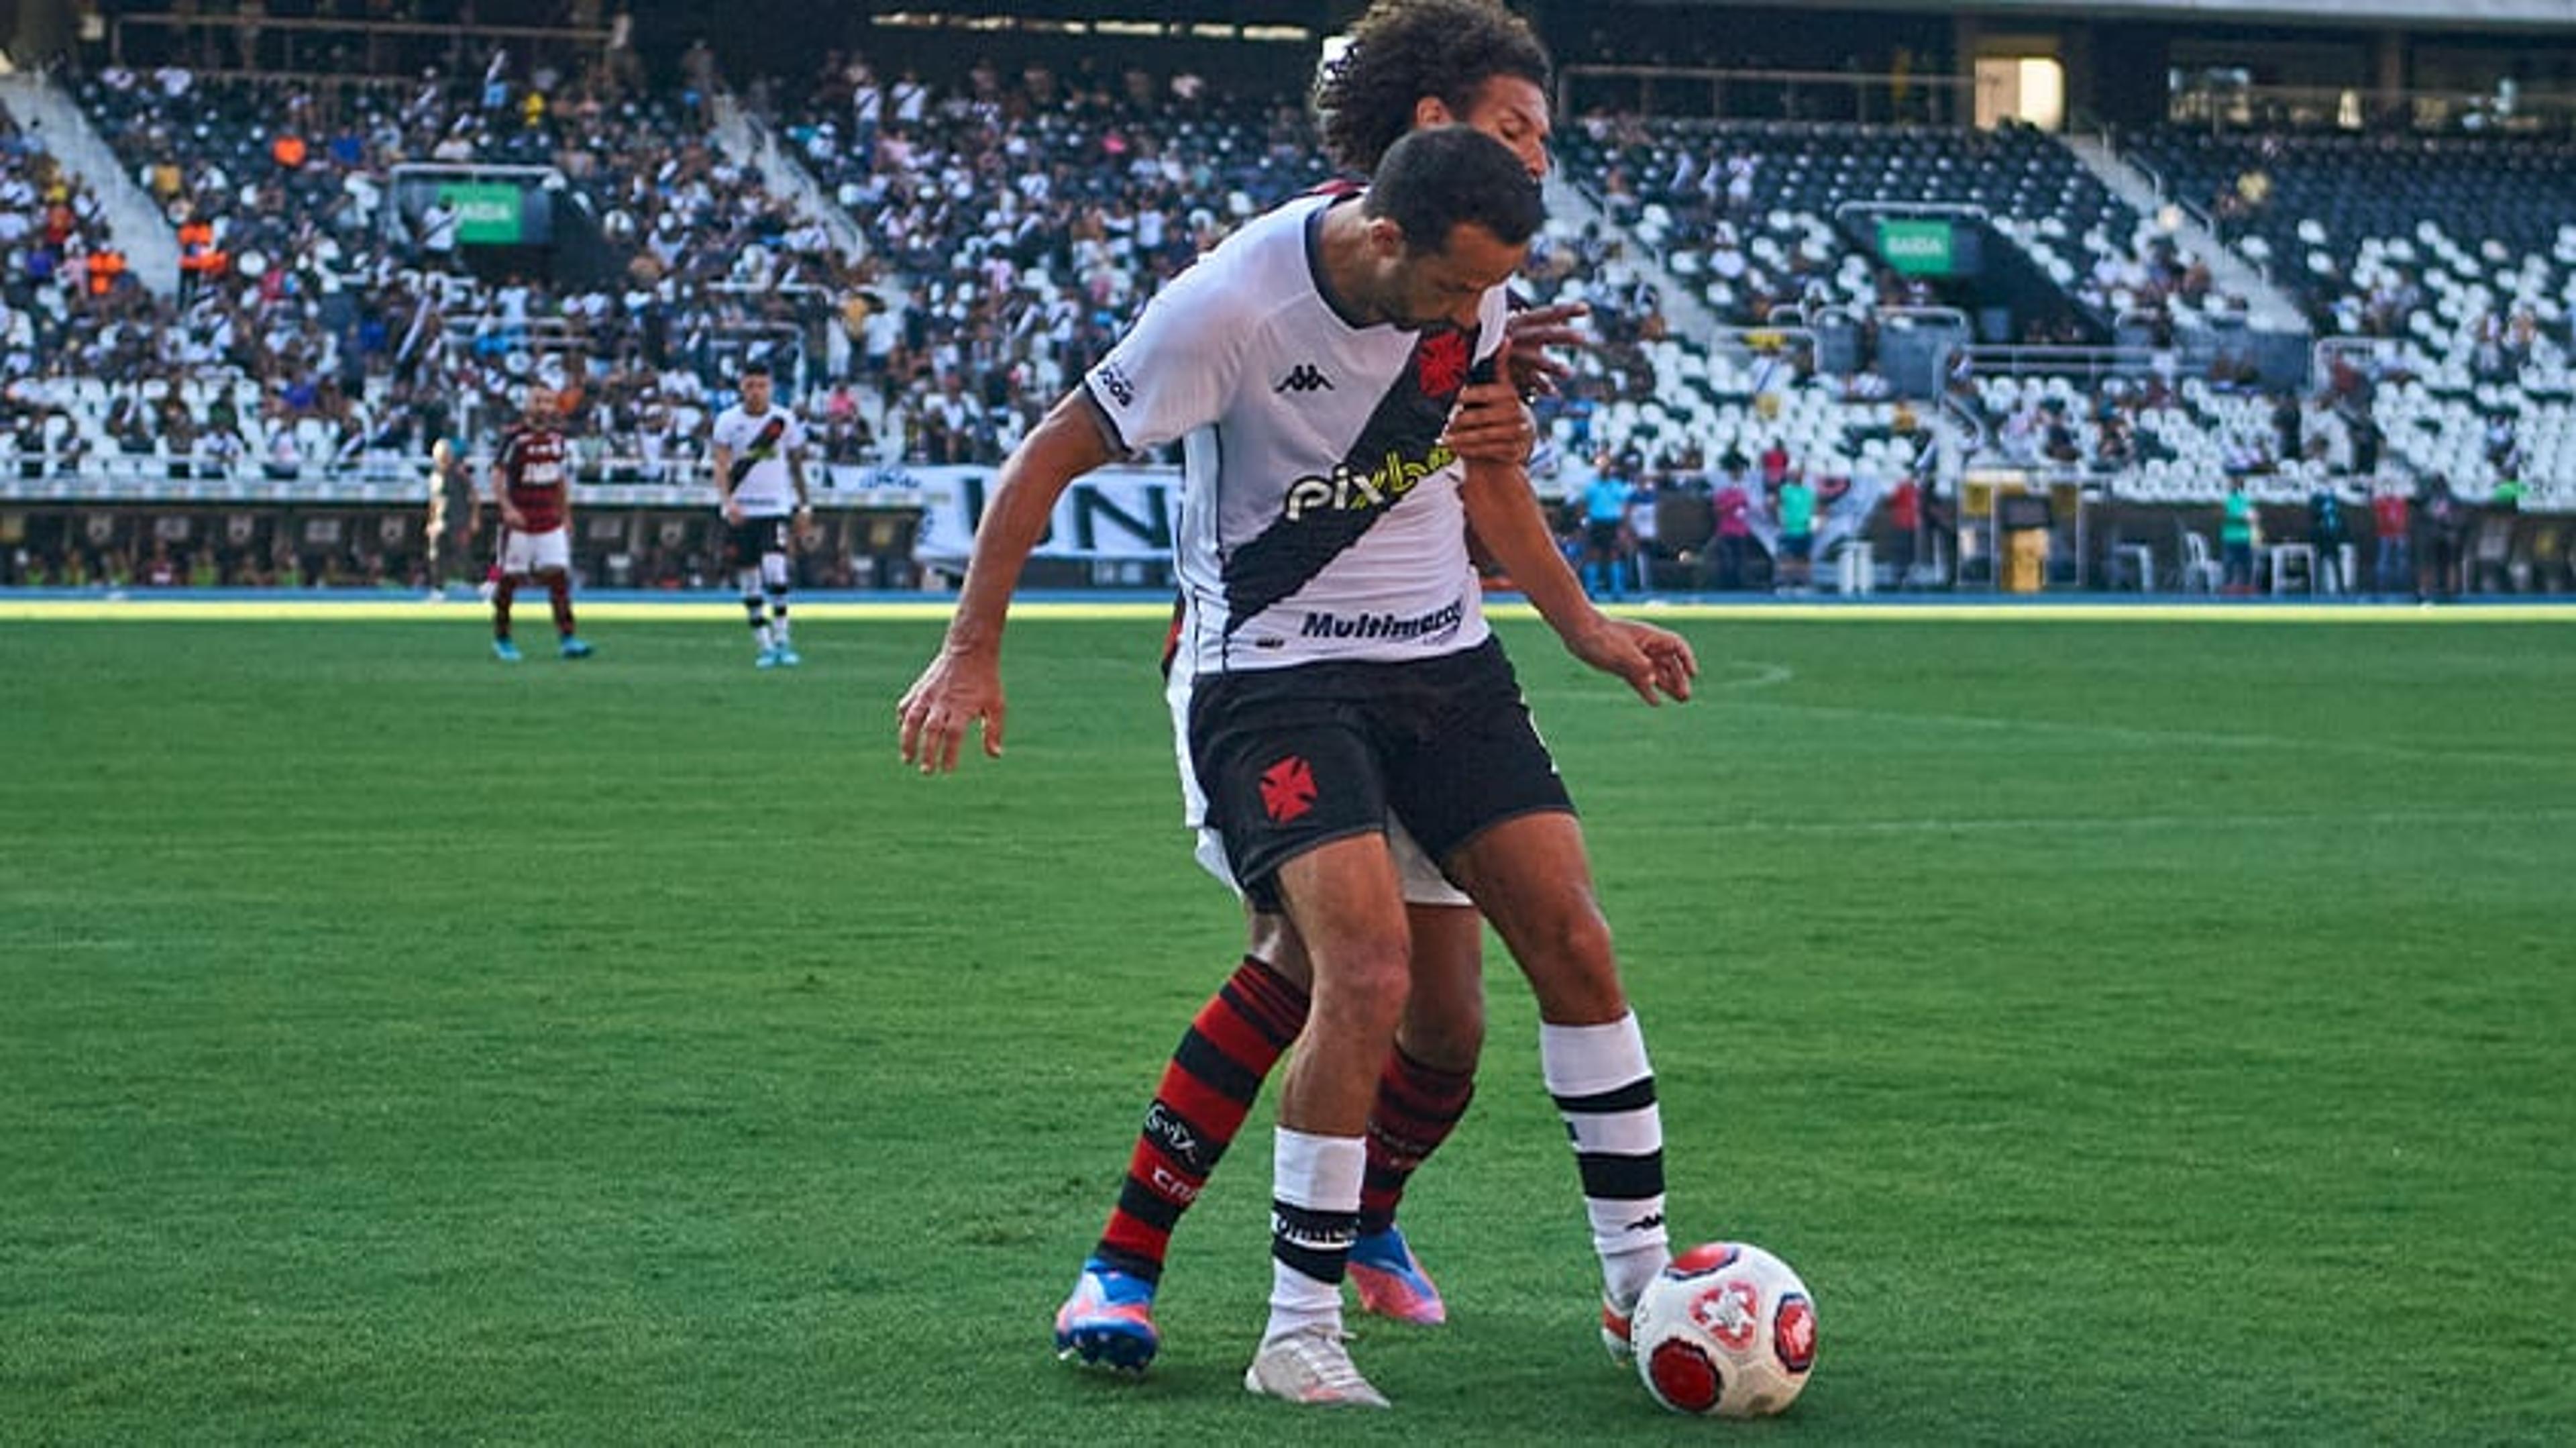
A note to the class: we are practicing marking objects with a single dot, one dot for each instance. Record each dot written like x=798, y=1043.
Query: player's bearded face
x=755, y=393
x=1446, y=287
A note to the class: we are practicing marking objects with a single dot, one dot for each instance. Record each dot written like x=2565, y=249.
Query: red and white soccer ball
x=1726, y=1331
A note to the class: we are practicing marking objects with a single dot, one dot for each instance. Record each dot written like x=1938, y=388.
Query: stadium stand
x=330, y=320
x=2453, y=257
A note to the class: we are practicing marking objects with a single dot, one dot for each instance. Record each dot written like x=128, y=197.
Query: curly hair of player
x=1403, y=50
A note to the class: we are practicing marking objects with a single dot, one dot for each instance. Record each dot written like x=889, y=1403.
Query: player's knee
x=1572, y=969
x=1270, y=939
x=773, y=572
x=1447, y=1035
x=1364, y=985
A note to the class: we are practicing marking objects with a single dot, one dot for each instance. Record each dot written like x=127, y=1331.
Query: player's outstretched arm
x=962, y=687
x=1505, y=515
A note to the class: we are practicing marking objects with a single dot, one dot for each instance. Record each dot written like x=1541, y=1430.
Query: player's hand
x=956, y=692
x=733, y=512
x=513, y=518
x=1490, y=423
x=1657, y=663
x=808, y=532
x=1531, y=331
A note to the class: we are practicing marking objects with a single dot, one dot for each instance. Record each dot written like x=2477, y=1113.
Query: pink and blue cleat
x=1108, y=1321
x=1390, y=1281
x=1616, y=1329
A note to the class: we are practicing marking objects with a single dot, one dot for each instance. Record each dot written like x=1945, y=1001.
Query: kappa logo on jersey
x=1346, y=489
x=1287, y=790
x=1440, y=362
x=1304, y=378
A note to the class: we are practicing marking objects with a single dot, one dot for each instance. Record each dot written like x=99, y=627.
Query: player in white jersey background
x=1342, y=672
x=758, y=449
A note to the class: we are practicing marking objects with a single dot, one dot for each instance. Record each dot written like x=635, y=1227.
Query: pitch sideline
x=108, y=608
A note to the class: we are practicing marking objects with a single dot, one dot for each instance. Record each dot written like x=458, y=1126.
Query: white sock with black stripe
x=1605, y=1090
x=1314, y=1217
x=749, y=581
x=775, y=580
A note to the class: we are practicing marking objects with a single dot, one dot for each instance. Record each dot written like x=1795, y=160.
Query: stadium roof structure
x=1309, y=13
x=2443, y=14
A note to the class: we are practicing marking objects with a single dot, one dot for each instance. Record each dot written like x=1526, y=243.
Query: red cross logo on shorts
x=1287, y=790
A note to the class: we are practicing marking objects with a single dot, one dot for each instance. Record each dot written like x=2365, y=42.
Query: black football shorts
x=753, y=537
x=1294, y=758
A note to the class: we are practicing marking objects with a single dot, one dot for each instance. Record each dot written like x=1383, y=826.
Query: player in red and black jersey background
x=532, y=482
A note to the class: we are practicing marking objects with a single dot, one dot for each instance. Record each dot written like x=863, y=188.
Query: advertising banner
x=1113, y=515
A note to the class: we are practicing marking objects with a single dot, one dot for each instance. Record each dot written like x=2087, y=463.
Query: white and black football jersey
x=760, y=446
x=1321, y=517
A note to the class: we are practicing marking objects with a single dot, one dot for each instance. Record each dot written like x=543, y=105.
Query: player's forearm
x=1505, y=515
x=1064, y=447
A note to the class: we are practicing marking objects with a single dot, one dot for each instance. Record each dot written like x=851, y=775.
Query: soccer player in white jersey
x=1408, y=64
x=1340, y=673
x=759, y=454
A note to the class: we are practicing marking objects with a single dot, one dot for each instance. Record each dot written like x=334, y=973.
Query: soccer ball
x=1726, y=1331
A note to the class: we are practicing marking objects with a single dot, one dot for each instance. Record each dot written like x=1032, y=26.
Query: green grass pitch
x=2135, y=1032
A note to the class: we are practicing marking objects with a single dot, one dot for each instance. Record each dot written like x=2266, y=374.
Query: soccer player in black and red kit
x=532, y=481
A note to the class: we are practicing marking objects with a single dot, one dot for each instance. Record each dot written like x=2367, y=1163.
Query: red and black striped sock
x=1417, y=1107
x=502, y=593
x=559, y=595
x=1200, y=1103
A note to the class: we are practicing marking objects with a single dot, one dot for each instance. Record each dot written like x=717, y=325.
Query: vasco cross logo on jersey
x=1440, y=363
x=1304, y=378
x=1287, y=790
